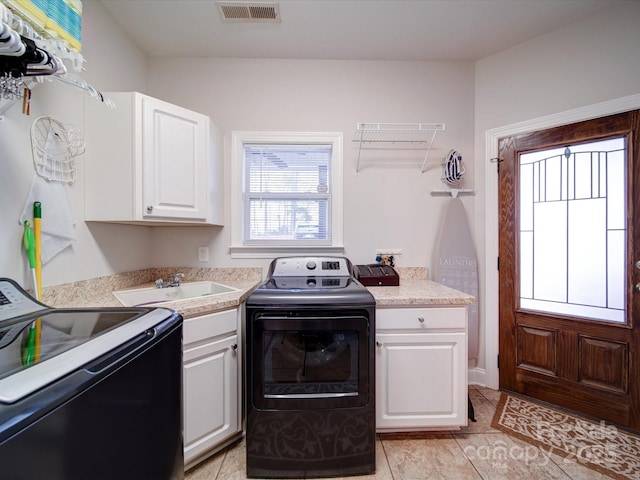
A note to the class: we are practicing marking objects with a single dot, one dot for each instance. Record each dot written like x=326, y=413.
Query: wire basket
x=55, y=146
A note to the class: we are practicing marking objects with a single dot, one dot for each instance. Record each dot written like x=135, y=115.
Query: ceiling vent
x=249, y=12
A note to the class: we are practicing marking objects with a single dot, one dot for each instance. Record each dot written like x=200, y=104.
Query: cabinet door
x=175, y=156
x=421, y=380
x=210, y=393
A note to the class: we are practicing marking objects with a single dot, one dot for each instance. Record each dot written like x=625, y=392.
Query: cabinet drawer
x=421, y=318
x=212, y=325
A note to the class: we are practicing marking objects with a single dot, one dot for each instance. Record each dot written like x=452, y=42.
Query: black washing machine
x=89, y=393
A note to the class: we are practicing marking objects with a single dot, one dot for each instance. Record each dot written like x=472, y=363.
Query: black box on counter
x=377, y=275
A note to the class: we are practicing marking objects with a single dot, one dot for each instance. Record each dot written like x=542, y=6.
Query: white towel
x=57, y=223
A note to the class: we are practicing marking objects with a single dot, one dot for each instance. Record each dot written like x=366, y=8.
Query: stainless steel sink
x=152, y=295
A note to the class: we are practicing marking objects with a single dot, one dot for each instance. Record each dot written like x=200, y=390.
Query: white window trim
x=238, y=139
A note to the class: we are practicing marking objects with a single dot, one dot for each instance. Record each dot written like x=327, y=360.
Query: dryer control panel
x=310, y=266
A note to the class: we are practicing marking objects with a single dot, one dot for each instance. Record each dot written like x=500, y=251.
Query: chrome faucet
x=173, y=280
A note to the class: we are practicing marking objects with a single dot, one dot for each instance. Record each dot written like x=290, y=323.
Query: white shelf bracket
x=454, y=192
x=426, y=155
x=359, y=152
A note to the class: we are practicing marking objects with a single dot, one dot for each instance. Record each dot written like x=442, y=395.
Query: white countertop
x=418, y=292
x=98, y=292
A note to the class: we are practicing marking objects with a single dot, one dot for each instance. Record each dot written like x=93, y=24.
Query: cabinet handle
x=421, y=319
x=234, y=346
x=149, y=208
x=378, y=344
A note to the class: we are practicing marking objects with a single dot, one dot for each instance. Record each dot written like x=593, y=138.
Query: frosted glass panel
x=587, y=236
x=583, y=175
x=572, y=230
x=616, y=270
x=526, y=264
x=550, y=252
x=616, y=211
x=554, y=168
x=526, y=198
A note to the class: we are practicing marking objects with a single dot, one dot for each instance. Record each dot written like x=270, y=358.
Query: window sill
x=241, y=251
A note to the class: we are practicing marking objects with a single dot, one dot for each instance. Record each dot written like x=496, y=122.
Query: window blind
x=287, y=194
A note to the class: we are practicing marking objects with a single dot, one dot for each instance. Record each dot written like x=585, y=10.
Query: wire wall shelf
x=391, y=133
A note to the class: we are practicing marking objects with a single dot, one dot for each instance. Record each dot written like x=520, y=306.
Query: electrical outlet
x=389, y=251
x=203, y=254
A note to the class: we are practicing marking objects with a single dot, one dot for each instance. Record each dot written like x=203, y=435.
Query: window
x=573, y=231
x=286, y=192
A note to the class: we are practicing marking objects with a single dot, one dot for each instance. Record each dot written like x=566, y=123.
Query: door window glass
x=573, y=230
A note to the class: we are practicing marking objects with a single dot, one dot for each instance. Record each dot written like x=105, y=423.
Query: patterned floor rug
x=599, y=446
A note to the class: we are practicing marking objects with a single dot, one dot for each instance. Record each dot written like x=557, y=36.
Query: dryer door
x=310, y=361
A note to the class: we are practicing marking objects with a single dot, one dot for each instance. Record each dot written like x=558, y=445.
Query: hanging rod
x=22, y=23
x=82, y=85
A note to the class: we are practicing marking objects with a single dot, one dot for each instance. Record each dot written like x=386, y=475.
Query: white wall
x=388, y=203
x=579, y=65
x=113, y=63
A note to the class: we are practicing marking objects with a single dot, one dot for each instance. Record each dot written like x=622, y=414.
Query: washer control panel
x=15, y=302
x=310, y=266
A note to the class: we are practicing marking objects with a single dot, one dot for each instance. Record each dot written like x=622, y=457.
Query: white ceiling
x=348, y=29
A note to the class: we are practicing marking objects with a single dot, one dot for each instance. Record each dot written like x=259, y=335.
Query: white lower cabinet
x=421, y=368
x=211, y=384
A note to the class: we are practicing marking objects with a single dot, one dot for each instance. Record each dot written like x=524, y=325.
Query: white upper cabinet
x=150, y=162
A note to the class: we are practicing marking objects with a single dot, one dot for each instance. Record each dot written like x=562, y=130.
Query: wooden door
x=569, y=307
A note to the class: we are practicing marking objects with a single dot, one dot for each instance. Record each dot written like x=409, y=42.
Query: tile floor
x=474, y=452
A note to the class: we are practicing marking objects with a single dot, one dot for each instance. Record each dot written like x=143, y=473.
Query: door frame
x=489, y=375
